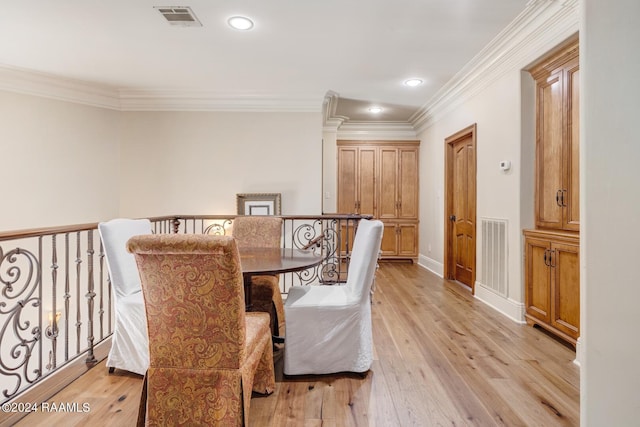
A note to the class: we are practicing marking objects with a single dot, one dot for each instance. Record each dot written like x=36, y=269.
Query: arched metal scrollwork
x=20, y=281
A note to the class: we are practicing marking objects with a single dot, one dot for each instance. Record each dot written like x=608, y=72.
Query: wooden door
x=460, y=242
x=565, y=283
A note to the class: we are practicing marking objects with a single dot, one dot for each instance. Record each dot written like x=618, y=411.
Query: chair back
x=123, y=271
x=194, y=299
x=364, y=258
x=258, y=231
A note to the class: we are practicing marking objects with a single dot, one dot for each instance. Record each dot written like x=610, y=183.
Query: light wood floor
x=441, y=358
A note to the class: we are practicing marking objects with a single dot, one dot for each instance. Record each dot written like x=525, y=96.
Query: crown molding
x=29, y=82
x=19, y=80
x=542, y=24
x=376, y=130
x=170, y=100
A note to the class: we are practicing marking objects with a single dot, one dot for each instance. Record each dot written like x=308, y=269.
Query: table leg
x=247, y=292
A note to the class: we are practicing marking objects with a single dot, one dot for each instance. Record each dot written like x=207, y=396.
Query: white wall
x=501, y=104
x=58, y=162
x=329, y=171
x=496, y=111
x=610, y=222
x=196, y=162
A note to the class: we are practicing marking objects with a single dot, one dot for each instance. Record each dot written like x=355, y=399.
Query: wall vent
x=179, y=15
x=494, y=255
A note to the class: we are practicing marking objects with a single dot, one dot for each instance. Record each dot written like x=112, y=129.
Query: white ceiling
x=297, y=52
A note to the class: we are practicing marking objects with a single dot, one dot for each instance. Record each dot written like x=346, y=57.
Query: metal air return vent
x=181, y=16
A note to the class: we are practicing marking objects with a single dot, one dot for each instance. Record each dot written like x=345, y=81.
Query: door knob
x=452, y=217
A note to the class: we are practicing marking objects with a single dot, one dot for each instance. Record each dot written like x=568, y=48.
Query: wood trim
x=556, y=235
x=555, y=58
x=448, y=202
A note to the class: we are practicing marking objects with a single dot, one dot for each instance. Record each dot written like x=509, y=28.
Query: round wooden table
x=257, y=261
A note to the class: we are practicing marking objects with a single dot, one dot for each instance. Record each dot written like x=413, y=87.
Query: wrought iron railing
x=55, y=294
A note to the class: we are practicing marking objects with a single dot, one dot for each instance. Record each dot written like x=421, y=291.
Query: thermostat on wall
x=505, y=165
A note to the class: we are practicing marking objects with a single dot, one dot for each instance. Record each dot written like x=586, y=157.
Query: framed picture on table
x=258, y=204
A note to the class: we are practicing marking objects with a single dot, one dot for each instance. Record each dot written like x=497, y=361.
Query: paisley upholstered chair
x=206, y=353
x=129, y=344
x=263, y=232
x=329, y=327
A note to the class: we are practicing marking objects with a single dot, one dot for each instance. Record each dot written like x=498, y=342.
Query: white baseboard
x=510, y=308
x=579, y=355
x=432, y=265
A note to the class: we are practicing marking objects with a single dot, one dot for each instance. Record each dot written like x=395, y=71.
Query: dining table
x=261, y=261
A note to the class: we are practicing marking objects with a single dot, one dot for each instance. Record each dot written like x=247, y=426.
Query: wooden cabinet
x=552, y=256
x=398, y=183
x=380, y=178
x=399, y=240
x=357, y=168
x=557, y=141
x=552, y=282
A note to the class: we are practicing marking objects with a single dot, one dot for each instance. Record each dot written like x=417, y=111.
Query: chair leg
x=142, y=409
x=112, y=369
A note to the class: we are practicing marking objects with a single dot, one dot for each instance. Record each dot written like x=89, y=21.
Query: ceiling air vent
x=179, y=15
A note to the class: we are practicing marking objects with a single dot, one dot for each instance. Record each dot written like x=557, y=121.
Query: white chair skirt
x=328, y=331
x=130, y=342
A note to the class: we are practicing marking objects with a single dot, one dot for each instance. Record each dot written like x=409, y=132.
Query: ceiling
x=297, y=52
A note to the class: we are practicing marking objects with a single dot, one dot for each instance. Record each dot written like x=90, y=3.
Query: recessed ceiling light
x=413, y=82
x=240, y=23
x=375, y=110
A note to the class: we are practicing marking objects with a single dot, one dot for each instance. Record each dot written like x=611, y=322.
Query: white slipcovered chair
x=329, y=327
x=130, y=342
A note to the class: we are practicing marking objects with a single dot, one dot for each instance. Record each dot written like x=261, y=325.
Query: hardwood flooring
x=441, y=358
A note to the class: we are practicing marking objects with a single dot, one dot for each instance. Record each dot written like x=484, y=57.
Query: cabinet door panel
x=388, y=183
x=367, y=182
x=572, y=152
x=408, y=243
x=549, y=152
x=537, y=280
x=347, y=183
x=566, y=288
x=389, y=244
x=408, y=189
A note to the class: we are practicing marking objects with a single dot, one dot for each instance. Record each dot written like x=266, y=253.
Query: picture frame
x=259, y=203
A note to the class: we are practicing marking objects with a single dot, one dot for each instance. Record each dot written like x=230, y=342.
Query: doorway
x=460, y=207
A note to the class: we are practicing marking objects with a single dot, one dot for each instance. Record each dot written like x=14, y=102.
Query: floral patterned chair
x=206, y=353
x=263, y=232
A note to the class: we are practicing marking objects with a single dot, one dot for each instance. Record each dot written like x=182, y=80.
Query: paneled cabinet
x=557, y=141
x=552, y=257
x=380, y=178
x=399, y=240
x=552, y=282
